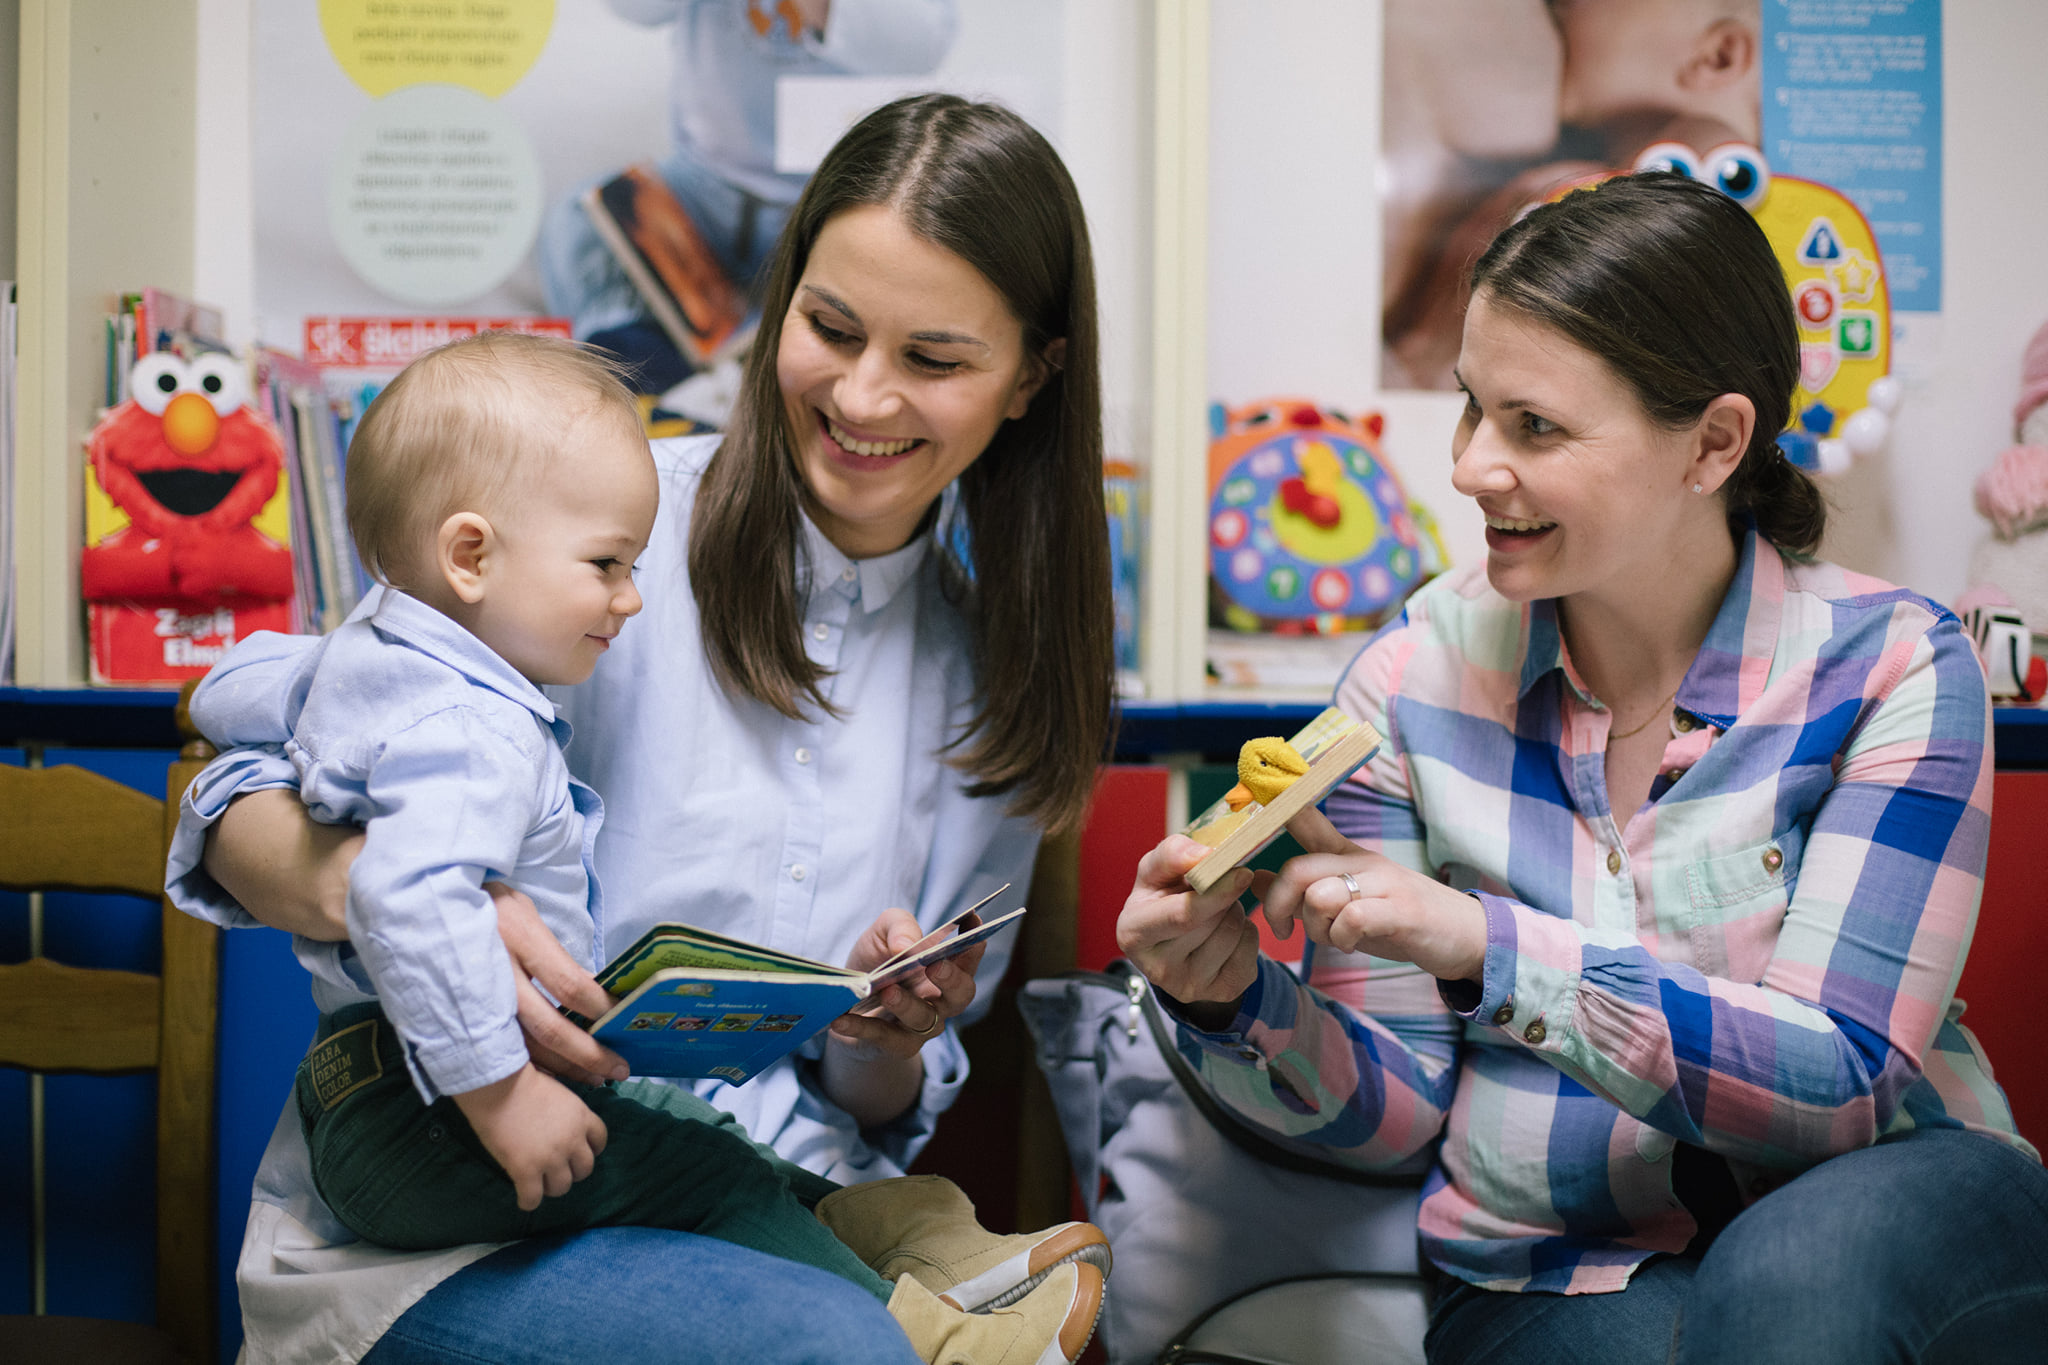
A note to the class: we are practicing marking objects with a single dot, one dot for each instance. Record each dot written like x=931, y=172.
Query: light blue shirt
x=722, y=82
x=726, y=814
x=405, y=723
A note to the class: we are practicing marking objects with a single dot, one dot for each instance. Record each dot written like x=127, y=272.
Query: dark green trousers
x=411, y=1175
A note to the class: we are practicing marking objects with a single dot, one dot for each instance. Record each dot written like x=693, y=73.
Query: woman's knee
x=1838, y=1262
x=645, y=1295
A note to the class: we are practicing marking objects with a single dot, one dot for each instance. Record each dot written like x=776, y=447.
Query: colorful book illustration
x=695, y=1003
x=1327, y=750
x=659, y=247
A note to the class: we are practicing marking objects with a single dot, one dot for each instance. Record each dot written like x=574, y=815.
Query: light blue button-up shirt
x=722, y=812
x=405, y=723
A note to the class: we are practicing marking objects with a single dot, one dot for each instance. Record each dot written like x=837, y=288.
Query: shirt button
x=803, y=755
x=848, y=574
x=1773, y=860
x=798, y=872
x=1614, y=861
x=821, y=631
x=1506, y=1013
x=1535, y=1033
x=1686, y=724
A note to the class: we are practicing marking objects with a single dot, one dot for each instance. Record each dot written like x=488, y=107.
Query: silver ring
x=1350, y=883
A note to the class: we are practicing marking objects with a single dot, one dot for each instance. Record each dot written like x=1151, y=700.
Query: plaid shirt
x=1761, y=961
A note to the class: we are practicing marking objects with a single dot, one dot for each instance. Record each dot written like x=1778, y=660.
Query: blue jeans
x=583, y=282
x=1929, y=1247
x=645, y=1296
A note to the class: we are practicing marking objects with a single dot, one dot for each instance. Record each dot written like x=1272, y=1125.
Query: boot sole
x=1087, y=1299
x=1081, y=1243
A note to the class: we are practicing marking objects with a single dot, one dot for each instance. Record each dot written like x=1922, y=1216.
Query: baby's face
x=1630, y=58
x=559, y=582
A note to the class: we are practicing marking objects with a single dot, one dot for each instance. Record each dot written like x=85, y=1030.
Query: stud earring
x=1697, y=489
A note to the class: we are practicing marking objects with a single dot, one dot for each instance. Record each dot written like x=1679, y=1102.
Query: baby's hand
x=536, y=1128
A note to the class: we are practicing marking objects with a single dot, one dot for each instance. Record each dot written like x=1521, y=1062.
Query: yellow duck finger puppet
x=1265, y=768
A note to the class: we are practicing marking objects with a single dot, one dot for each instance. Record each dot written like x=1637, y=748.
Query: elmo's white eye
x=1669, y=156
x=219, y=380
x=156, y=380
x=1739, y=171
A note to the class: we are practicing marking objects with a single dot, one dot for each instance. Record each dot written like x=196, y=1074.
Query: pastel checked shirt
x=1761, y=961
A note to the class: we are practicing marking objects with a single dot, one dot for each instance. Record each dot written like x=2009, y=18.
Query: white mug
x=2004, y=647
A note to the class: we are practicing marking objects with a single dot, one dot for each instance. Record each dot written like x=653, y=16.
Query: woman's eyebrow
x=1515, y=404
x=949, y=339
x=833, y=301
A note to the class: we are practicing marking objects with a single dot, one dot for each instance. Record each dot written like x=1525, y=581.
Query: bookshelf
x=104, y=184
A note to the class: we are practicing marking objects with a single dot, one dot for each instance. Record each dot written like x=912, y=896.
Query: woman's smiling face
x=898, y=362
x=1582, y=492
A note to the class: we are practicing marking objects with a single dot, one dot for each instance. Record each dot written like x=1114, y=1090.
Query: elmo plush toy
x=191, y=465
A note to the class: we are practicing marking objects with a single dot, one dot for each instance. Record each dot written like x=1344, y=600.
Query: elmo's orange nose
x=190, y=424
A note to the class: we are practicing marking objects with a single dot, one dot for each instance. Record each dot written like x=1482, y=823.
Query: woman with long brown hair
x=874, y=666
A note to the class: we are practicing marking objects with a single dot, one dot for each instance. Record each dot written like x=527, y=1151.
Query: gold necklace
x=1612, y=736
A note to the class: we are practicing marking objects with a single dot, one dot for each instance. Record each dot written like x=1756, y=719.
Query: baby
x=501, y=488
x=1633, y=64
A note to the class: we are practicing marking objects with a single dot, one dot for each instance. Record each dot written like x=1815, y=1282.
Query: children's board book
x=657, y=244
x=1278, y=779
x=695, y=1003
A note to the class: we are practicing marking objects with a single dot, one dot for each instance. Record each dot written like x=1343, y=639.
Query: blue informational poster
x=1852, y=99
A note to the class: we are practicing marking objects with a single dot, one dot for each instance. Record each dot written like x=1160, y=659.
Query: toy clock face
x=1308, y=523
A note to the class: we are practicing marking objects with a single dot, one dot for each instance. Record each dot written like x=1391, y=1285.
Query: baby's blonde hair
x=465, y=427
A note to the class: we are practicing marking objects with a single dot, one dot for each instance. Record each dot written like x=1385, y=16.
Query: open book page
x=696, y=1003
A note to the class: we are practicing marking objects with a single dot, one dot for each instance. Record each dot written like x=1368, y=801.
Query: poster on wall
x=1820, y=116
x=1853, y=100
x=421, y=160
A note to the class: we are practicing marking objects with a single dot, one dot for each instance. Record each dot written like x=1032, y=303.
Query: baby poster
x=1490, y=106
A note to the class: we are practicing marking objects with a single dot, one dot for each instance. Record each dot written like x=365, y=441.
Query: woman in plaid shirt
x=1649, y=913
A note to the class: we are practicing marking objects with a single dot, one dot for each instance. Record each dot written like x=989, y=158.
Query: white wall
x=1908, y=517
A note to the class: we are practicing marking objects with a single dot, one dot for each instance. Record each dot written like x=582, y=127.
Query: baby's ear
x=1724, y=53
x=462, y=554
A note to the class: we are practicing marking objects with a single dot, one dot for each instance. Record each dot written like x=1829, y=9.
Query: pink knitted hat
x=2033, y=377
x=2013, y=494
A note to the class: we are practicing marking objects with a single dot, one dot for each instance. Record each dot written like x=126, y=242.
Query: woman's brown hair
x=1032, y=579
x=1674, y=285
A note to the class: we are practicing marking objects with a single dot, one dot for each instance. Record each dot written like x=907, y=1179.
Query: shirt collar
x=872, y=582
x=410, y=621
x=1734, y=661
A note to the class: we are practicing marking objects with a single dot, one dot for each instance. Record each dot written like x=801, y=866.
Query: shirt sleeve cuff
x=895, y=1144
x=461, y=1065
x=1269, y=1004
x=1531, y=975
x=186, y=881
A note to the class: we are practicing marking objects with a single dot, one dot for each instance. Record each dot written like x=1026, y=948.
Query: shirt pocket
x=1735, y=905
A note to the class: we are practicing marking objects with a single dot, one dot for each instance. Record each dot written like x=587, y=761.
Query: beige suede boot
x=923, y=1226
x=1049, y=1326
